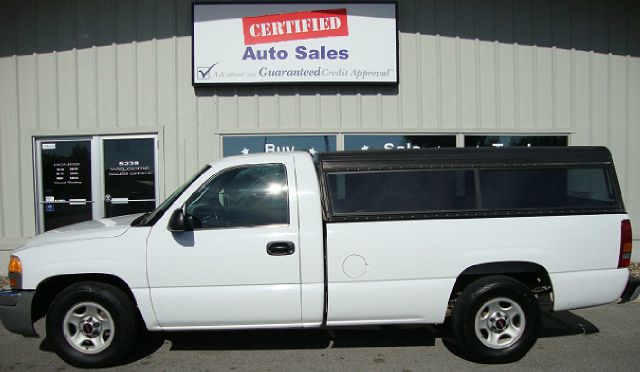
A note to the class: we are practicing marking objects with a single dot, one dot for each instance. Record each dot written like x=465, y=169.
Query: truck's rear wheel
x=496, y=320
x=91, y=324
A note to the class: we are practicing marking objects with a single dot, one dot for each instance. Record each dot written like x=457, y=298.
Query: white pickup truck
x=475, y=237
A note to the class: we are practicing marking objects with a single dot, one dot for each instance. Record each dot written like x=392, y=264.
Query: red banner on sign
x=313, y=24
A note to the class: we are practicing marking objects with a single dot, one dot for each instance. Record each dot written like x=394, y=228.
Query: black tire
x=102, y=319
x=496, y=320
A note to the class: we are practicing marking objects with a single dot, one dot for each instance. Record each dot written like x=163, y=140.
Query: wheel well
x=50, y=287
x=530, y=274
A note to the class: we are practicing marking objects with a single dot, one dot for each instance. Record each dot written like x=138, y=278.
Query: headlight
x=15, y=272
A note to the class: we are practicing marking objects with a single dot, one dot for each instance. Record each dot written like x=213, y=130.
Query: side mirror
x=180, y=222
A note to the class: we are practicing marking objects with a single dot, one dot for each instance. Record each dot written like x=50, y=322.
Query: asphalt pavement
x=604, y=338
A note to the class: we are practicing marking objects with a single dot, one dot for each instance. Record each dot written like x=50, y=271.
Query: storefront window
x=366, y=142
x=244, y=145
x=508, y=141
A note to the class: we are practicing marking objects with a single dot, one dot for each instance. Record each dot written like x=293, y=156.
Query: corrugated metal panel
x=466, y=66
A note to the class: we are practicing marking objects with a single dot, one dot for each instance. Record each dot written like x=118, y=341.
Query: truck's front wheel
x=496, y=319
x=91, y=324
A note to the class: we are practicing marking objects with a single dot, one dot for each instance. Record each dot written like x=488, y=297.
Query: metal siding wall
x=9, y=201
x=94, y=67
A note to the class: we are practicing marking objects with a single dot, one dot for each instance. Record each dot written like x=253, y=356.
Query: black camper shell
x=468, y=183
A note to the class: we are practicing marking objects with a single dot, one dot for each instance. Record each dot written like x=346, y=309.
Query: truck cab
x=252, y=251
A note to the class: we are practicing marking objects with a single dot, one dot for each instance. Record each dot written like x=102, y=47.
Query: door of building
x=129, y=175
x=79, y=179
x=65, y=195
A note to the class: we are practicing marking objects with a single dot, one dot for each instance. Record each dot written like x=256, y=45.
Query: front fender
x=123, y=256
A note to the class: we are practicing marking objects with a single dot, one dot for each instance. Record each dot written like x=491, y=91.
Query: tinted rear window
x=402, y=191
x=562, y=188
x=460, y=190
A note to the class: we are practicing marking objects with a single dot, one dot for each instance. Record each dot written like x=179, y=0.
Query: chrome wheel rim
x=499, y=323
x=88, y=328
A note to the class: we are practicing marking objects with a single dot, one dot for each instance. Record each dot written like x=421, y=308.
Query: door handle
x=280, y=248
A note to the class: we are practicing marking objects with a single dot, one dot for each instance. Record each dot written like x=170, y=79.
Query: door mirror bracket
x=180, y=221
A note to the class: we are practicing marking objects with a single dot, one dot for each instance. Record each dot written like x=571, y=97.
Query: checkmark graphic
x=204, y=71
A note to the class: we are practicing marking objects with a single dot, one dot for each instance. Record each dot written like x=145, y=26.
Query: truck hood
x=94, y=229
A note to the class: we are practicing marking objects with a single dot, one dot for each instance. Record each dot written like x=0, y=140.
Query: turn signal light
x=15, y=266
x=15, y=272
x=625, y=244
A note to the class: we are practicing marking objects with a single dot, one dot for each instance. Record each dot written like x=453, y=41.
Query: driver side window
x=253, y=195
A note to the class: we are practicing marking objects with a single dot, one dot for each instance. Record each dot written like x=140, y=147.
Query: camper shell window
x=469, y=183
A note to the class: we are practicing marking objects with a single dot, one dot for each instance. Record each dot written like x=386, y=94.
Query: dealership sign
x=294, y=43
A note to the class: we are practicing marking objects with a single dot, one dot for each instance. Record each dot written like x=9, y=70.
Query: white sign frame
x=256, y=43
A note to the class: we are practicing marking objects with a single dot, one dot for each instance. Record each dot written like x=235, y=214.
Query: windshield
x=150, y=218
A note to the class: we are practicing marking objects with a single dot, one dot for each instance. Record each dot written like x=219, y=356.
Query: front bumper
x=15, y=312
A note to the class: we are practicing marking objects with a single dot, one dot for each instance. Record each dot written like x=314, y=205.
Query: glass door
x=83, y=178
x=65, y=182
x=129, y=174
